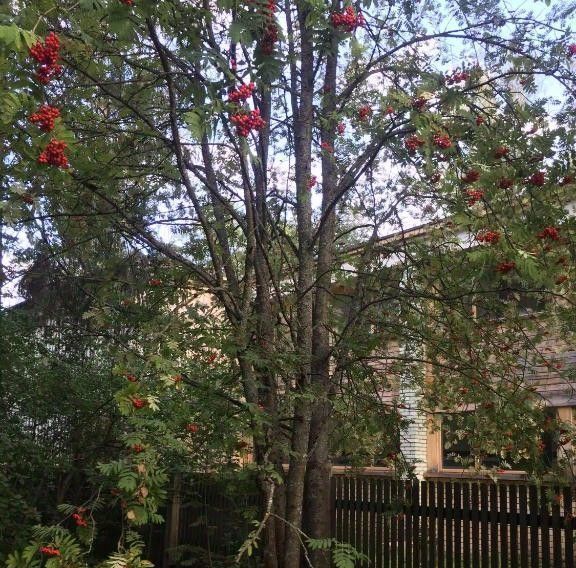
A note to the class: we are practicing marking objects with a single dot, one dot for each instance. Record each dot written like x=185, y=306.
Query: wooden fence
x=399, y=524
x=406, y=524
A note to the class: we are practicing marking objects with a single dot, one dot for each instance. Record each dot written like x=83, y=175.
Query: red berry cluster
x=561, y=279
x=46, y=53
x=138, y=448
x=442, y=141
x=154, y=282
x=348, y=20
x=457, y=77
x=341, y=128
x=53, y=154
x=192, y=427
x=139, y=403
x=312, y=182
x=479, y=120
x=389, y=110
x=506, y=266
x=572, y=50
x=270, y=31
x=131, y=378
x=537, y=178
x=566, y=180
x=177, y=378
x=552, y=233
x=364, y=112
x=45, y=117
x=245, y=122
x=471, y=176
x=242, y=93
x=488, y=237
x=413, y=142
x=474, y=195
x=505, y=183
x=501, y=152
x=128, y=2
x=327, y=147
x=79, y=518
x=419, y=103
x=50, y=551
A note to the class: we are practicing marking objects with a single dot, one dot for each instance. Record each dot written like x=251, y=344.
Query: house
x=431, y=440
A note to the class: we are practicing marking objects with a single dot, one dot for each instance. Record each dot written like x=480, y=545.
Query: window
x=458, y=453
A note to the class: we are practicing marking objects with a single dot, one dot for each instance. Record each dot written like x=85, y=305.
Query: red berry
x=49, y=551
x=419, y=103
x=551, y=233
x=242, y=93
x=45, y=117
x=457, y=77
x=442, y=141
x=505, y=183
x=341, y=128
x=501, y=152
x=474, y=195
x=479, y=120
x=364, y=112
x=488, y=237
x=131, y=378
x=312, y=182
x=572, y=50
x=537, y=178
x=505, y=267
x=53, y=154
x=46, y=54
x=138, y=448
x=192, y=427
x=348, y=20
x=471, y=176
x=327, y=147
x=139, y=403
x=79, y=520
x=412, y=143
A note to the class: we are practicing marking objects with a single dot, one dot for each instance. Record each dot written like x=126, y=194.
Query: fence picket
x=484, y=538
x=458, y=524
x=534, y=530
x=386, y=520
x=569, y=527
x=503, y=518
x=441, y=508
x=523, y=522
x=466, y=523
x=513, y=527
x=475, y=515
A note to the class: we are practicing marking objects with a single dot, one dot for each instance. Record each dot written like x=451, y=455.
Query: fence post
x=173, y=521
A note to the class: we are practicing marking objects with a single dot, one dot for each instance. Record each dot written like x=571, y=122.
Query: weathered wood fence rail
x=411, y=524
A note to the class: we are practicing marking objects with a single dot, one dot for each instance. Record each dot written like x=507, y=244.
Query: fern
x=345, y=555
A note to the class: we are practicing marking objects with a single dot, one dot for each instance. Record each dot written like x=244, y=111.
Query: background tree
x=260, y=151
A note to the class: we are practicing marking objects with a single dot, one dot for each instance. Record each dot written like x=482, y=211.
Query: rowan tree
x=260, y=151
